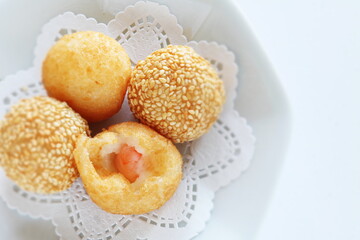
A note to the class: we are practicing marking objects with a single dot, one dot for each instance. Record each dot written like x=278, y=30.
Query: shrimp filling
x=128, y=162
x=125, y=157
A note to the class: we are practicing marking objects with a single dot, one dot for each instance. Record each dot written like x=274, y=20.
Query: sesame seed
x=38, y=154
x=179, y=83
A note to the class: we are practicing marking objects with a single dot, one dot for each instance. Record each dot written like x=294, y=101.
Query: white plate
x=238, y=208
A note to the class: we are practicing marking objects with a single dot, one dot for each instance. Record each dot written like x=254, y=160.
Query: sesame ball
x=176, y=92
x=38, y=137
x=90, y=71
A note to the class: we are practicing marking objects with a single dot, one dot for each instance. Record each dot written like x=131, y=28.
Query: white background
x=314, y=45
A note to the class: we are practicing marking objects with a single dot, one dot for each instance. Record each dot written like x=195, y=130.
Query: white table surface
x=314, y=45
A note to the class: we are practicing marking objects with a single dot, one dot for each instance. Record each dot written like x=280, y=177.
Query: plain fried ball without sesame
x=37, y=138
x=159, y=173
x=176, y=92
x=90, y=71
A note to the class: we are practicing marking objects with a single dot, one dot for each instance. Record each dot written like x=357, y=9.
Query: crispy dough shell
x=90, y=71
x=112, y=191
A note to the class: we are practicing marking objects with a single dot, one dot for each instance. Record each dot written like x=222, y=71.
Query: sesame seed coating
x=176, y=92
x=38, y=137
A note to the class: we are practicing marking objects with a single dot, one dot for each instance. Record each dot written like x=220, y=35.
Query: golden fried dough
x=160, y=173
x=176, y=92
x=90, y=71
x=37, y=139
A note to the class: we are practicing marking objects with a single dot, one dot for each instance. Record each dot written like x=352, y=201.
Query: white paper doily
x=210, y=162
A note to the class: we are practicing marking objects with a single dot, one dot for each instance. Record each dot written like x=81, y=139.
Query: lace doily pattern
x=210, y=162
x=142, y=32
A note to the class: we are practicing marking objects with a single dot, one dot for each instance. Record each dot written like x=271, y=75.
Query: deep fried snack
x=129, y=168
x=176, y=92
x=37, y=138
x=90, y=71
